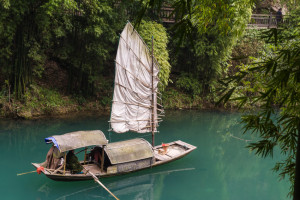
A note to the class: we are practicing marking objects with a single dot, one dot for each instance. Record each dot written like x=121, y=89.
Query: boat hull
x=163, y=154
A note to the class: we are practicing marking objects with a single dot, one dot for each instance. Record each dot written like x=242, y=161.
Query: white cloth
x=132, y=100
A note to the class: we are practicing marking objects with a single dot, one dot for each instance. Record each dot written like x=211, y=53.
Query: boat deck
x=174, y=151
x=95, y=169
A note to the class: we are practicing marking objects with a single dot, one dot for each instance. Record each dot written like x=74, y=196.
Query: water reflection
x=145, y=186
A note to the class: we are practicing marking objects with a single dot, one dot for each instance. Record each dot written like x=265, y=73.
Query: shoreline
x=45, y=103
x=98, y=112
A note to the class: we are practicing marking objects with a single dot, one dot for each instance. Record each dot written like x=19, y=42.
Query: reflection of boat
x=134, y=108
x=143, y=186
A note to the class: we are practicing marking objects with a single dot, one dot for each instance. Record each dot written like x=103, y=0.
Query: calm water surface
x=221, y=168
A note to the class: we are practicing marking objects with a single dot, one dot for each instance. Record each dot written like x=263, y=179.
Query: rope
x=239, y=138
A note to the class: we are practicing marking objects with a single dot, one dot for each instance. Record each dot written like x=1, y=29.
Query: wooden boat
x=119, y=157
x=135, y=108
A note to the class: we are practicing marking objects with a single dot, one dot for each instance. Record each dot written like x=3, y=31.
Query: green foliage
x=248, y=47
x=290, y=5
x=21, y=53
x=278, y=121
x=207, y=32
x=230, y=17
x=219, y=25
x=79, y=35
x=174, y=99
x=104, y=90
x=189, y=84
x=36, y=101
x=248, y=52
x=83, y=40
x=37, y=97
x=152, y=29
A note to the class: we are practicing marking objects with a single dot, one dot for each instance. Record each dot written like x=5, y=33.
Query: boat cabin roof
x=78, y=139
x=128, y=151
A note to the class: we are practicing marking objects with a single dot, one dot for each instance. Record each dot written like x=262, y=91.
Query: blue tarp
x=49, y=140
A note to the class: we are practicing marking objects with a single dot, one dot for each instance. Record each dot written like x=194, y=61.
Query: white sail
x=134, y=91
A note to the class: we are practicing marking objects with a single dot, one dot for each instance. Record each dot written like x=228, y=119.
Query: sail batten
x=135, y=104
x=136, y=85
x=146, y=85
x=154, y=59
x=144, y=65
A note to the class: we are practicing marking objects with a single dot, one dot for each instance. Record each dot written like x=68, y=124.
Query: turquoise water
x=221, y=168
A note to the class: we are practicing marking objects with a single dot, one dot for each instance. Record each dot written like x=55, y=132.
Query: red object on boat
x=165, y=145
x=39, y=169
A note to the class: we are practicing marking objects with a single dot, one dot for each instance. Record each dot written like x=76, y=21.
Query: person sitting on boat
x=53, y=158
x=72, y=163
x=96, y=155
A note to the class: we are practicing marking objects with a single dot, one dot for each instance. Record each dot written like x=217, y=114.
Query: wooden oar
x=26, y=173
x=101, y=184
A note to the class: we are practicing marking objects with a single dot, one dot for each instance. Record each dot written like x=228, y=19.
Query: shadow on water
x=223, y=168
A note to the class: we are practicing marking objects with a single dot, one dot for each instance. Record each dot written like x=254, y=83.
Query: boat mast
x=153, y=123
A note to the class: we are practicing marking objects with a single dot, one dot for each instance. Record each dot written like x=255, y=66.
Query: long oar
x=26, y=173
x=101, y=184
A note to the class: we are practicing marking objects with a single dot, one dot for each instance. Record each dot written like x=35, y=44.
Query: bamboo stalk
x=152, y=115
x=102, y=159
x=65, y=163
x=57, y=170
x=26, y=173
x=159, y=105
x=84, y=156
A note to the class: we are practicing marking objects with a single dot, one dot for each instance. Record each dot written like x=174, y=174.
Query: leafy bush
x=189, y=84
x=149, y=29
x=41, y=98
x=174, y=99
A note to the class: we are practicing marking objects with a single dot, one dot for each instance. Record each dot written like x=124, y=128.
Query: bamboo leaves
x=149, y=29
x=277, y=121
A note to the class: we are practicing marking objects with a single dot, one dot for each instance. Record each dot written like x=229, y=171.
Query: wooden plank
x=161, y=157
x=93, y=168
x=179, y=142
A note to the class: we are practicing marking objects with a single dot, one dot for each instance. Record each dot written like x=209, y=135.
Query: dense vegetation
x=78, y=36
x=65, y=50
x=275, y=83
x=160, y=40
